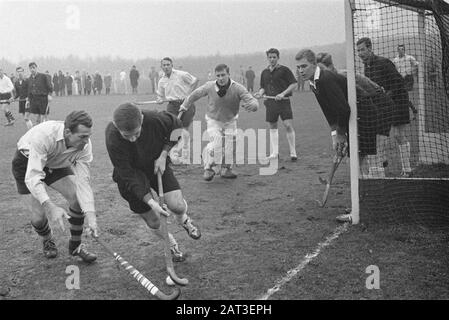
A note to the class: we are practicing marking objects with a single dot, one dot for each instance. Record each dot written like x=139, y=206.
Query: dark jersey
x=132, y=159
x=276, y=81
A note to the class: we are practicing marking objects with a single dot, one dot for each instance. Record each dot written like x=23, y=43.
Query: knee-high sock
x=291, y=142
x=274, y=139
x=185, y=139
x=9, y=116
x=43, y=230
x=76, y=221
x=404, y=151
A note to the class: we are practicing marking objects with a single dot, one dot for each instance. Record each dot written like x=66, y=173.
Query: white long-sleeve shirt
x=176, y=87
x=6, y=85
x=44, y=145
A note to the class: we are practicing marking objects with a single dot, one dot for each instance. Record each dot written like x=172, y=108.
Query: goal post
x=408, y=171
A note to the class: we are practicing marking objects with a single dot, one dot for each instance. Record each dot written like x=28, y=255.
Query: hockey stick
x=148, y=102
x=271, y=97
x=168, y=261
x=7, y=101
x=147, y=284
x=335, y=163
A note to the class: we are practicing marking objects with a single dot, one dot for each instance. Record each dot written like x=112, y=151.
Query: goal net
x=403, y=124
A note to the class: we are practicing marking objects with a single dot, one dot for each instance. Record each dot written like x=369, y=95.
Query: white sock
x=291, y=142
x=29, y=124
x=274, y=139
x=404, y=151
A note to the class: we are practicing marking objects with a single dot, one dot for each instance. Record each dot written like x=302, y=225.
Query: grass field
x=255, y=229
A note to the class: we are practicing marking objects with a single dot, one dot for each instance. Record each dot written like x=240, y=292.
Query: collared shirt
x=21, y=87
x=176, y=87
x=44, y=145
x=39, y=85
x=331, y=94
x=276, y=80
x=405, y=65
x=6, y=85
x=224, y=108
x=315, y=77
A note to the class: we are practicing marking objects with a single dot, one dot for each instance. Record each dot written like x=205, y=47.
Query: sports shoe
x=83, y=254
x=293, y=158
x=344, y=218
x=406, y=174
x=176, y=254
x=49, y=248
x=208, y=174
x=9, y=123
x=273, y=156
x=228, y=174
x=193, y=231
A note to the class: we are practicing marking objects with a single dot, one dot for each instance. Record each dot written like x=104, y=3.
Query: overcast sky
x=138, y=29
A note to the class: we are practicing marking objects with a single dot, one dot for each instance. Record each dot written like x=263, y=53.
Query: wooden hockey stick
x=168, y=260
x=147, y=284
x=335, y=163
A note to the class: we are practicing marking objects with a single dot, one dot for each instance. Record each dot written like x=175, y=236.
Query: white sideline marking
x=309, y=257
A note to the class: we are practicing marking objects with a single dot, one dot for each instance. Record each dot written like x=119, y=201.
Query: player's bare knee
x=177, y=207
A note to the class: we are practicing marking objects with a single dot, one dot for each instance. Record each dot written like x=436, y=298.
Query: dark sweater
x=134, y=160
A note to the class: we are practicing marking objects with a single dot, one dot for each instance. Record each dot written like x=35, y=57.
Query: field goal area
x=378, y=183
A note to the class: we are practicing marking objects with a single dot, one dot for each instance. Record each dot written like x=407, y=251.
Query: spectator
x=134, y=78
x=108, y=82
x=154, y=79
x=68, y=83
x=250, y=76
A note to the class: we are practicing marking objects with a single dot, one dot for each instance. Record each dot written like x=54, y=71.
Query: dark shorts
x=276, y=109
x=39, y=104
x=187, y=117
x=401, y=113
x=169, y=183
x=19, y=168
x=5, y=96
x=22, y=108
x=408, y=82
x=384, y=116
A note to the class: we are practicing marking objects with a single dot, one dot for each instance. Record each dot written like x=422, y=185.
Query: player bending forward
x=138, y=143
x=58, y=154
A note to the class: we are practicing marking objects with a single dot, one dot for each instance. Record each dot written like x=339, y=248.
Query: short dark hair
x=127, y=117
x=366, y=41
x=75, y=118
x=401, y=46
x=168, y=59
x=19, y=69
x=306, y=53
x=31, y=64
x=273, y=50
x=222, y=67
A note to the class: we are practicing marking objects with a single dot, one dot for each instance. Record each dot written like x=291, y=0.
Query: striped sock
x=76, y=221
x=9, y=116
x=43, y=230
